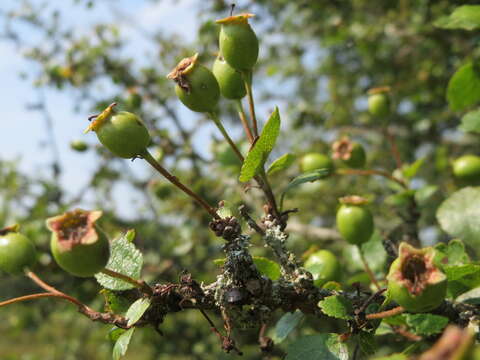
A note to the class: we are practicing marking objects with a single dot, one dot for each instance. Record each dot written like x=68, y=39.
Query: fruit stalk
x=383, y=173
x=369, y=271
x=227, y=137
x=247, y=77
x=243, y=119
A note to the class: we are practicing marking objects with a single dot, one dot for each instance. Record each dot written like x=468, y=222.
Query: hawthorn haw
x=415, y=281
x=314, y=161
x=324, y=267
x=467, y=168
x=197, y=88
x=379, y=101
x=230, y=80
x=238, y=42
x=352, y=154
x=77, y=246
x=123, y=133
x=78, y=145
x=17, y=252
x=354, y=220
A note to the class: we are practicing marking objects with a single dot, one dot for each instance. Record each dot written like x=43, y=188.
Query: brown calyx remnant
x=353, y=200
x=183, y=68
x=9, y=229
x=75, y=227
x=379, y=90
x=454, y=344
x=417, y=269
x=236, y=19
x=342, y=149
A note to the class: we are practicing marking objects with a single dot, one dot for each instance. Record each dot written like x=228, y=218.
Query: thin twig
x=243, y=211
x=227, y=137
x=383, y=173
x=247, y=77
x=394, y=148
x=41, y=283
x=369, y=271
x=384, y=314
x=140, y=284
x=243, y=119
x=42, y=295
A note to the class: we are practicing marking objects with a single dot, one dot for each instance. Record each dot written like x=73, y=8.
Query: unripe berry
x=230, y=80
x=79, y=145
x=197, y=88
x=415, y=282
x=314, y=161
x=77, y=246
x=467, y=168
x=379, y=102
x=352, y=154
x=354, y=220
x=324, y=267
x=123, y=133
x=17, y=252
x=238, y=42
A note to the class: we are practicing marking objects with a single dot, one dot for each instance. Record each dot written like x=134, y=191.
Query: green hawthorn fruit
x=123, y=133
x=352, y=154
x=415, y=282
x=314, y=161
x=324, y=267
x=379, y=104
x=78, y=145
x=238, y=42
x=230, y=80
x=197, y=88
x=77, y=246
x=17, y=252
x=467, y=168
x=354, y=220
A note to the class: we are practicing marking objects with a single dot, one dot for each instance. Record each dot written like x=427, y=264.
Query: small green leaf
x=257, y=156
x=426, y=324
x=303, y=178
x=226, y=210
x=121, y=346
x=266, y=266
x=423, y=194
x=471, y=122
x=410, y=170
x=465, y=17
x=114, y=333
x=130, y=235
x=282, y=163
x=136, y=310
x=318, y=347
x=287, y=323
x=114, y=302
x=464, y=87
x=125, y=259
x=336, y=306
x=454, y=251
x=470, y=297
x=367, y=343
x=462, y=278
x=459, y=215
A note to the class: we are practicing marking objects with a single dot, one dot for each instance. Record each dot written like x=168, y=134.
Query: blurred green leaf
x=470, y=297
x=114, y=302
x=281, y=163
x=410, y=170
x=465, y=17
x=454, y=252
x=303, y=178
x=471, y=122
x=336, y=306
x=367, y=342
x=318, y=347
x=462, y=278
x=426, y=324
x=136, y=310
x=464, y=87
x=287, y=323
x=121, y=346
x=423, y=194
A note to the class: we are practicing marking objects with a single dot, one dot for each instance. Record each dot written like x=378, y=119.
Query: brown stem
x=154, y=163
x=41, y=283
x=267, y=189
x=369, y=271
x=383, y=173
x=243, y=119
x=380, y=315
x=247, y=77
x=142, y=285
x=394, y=148
x=42, y=295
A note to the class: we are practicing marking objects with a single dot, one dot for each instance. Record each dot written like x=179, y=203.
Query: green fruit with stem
x=350, y=153
x=467, y=168
x=123, y=133
x=77, y=245
x=79, y=145
x=230, y=80
x=17, y=252
x=197, y=88
x=379, y=104
x=415, y=281
x=314, y=161
x=324, y=267
x=238, y=42
x=354, y=220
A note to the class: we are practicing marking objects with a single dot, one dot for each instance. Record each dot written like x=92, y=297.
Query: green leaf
x=317, y=347
x=282, y=163
x=465, y=17
x=367, y=343
x=121, y=346
x=303, y=178
x=226, y=210
x=125, y=259
x=470, y=297
x=130, y=235
x=410, y=170
x=454, y=251
x=114, y=333
x=266, y=266
x=114, y=302
x=426, y=324
x=397, y=356
x=464, y=87
x=136, y=310
x=459, y=215
x=471, y=122
x=286, y=325
x=462, y=278
x=257, y=156
x=336, y=306
x=373, y=250
x=423, y=194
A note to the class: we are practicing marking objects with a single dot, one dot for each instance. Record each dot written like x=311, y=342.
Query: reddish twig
x=380, y=315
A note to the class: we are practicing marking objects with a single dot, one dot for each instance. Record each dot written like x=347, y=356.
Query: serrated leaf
x=471, y=122
x=317, y=347
x=426, y=324
x=410, y=170
x=464, y=87
x=125, y=259
x=121, y=346
x=257, y=156
x=281, y=163
x=226, y=210
x=266, y=266
x=114, y=302
x=459, y=215
x=303, y=178
x=465, y=17
x=454, y=252
x=287, y=324
x=462, y=278
x=367, y=342
x=136, y=310
x=336, y=306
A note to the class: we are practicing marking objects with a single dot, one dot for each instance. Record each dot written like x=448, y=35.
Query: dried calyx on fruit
x=197, y=88
x=351, y=153
x=123, y=133
x=415, y=282
x=77, y=245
